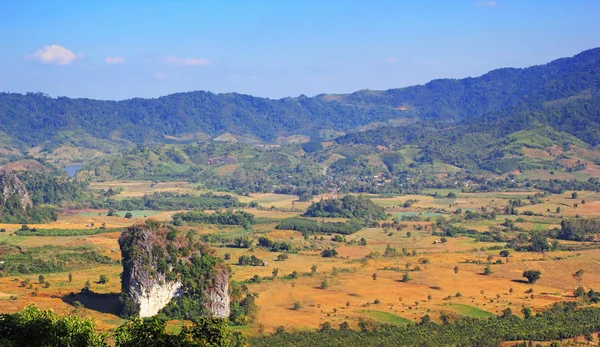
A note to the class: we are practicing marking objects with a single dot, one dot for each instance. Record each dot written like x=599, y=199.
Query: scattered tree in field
x=103, y=279
x=526, y=312
x=70, y=277
x=297, y=306
x=558, y=210
x=313, y=268
x=128, y=215
x=579, y=292
x=86, y=287
x=487, y=271
x=329, y=253
x=275, y=272
x=578, y=276
x=574, y=195
x=227, y=256
x=374, y=276
x=456, y=269
x=324, y=284
x=46, y=284
x=532, y=275
x=41, y=279
x=504, y=253
x=406, y=277
x=444, y=240
x=282, y=257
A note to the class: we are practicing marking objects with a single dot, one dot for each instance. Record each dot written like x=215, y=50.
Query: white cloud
x=159, y=75
x=483, y=3
x=177, y=61
x=54, y=54
x=114, y=60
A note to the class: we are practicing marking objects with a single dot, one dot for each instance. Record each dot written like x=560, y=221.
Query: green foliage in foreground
x=309, y=226
x=562, y=321
x=35, y=327
x=63, y=232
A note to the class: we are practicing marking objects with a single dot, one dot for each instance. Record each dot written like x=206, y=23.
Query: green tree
x=532, y=275
x=487, y=270
x=128, y=215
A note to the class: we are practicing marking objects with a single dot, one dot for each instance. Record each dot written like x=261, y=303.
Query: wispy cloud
x=159, y=75
x=114, y=60
x=54, y=54
x=177, y=61
x=484, y=3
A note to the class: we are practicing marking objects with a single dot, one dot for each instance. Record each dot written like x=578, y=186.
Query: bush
x=128, y=215
x=329, y=253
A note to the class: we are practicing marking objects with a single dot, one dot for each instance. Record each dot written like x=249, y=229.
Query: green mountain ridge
x=34, y=118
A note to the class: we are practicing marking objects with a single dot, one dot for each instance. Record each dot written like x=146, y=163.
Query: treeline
x=579, y=229
x=167, y=201
x=347, y=207
x=228, y=217
x=35, y=327
x=562, y=321
x=27, y=231
x=309, y=226
x=48, y=259
x=12, y=213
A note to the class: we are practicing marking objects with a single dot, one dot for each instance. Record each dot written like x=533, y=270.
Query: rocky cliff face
x=12, y=189
x=167, y=269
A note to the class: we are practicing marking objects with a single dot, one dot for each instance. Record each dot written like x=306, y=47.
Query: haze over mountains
x=562, y=94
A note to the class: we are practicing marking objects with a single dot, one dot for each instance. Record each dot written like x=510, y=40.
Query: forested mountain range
x=562, y=93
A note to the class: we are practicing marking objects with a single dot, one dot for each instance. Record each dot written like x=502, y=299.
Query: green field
x=387, y=317
x=469, y=310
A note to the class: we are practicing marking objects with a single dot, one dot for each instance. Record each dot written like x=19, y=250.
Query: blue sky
x=114, y=49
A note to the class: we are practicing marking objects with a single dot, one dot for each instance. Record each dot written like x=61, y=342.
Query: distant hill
x=561, y=93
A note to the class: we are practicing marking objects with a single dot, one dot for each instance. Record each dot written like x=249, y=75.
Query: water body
x=72, y=169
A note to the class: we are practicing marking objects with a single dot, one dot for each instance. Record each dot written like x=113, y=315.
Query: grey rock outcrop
x=11, y=186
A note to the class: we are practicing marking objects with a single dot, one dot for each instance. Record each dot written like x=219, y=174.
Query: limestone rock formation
x=11, y=188
x=164, y=268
